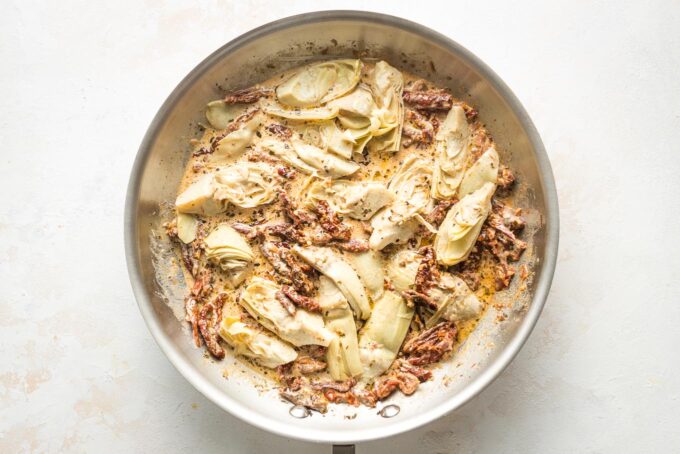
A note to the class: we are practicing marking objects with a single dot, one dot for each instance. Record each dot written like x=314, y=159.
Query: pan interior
x=258, y=56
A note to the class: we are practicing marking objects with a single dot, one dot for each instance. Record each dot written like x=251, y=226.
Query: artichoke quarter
x=462, y=225
x=303, y=328
x=342, y=356
x=267, y=350
x=381, y=338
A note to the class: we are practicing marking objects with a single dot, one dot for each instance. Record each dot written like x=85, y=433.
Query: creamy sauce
x=377, y=167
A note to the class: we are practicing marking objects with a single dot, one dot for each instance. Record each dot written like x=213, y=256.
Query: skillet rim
x=258, y=419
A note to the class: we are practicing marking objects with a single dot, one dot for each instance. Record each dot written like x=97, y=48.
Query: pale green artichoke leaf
x=199, y=197
x=335, y=140
x=398, y=221
x=360, y=144
x=333, y=265
x=358, y=137
x=356, y=199
x=455, y=300
x=286, y=152
x=317, y=114
x=311, y=132
x=484, y=170
x=265, y=349
x=402, y=269
x=187, y=227
x=386, y=231
x=225, y=247
x=452, y=150
x=324, y=162
x=462, y=225
x=327, y=136
x=342, y=356
x=387, y=84
x=356, y=113
x=359, y=103
x=348, y=76
x=309, y=158
x=381, y=337
x=319, y=83
x=231, y=146
x=219, y=114
x=359, y=115
x=304, y=328
x=246, y=184
x=369, y=267
x=409, y=180
x=388, y=141
x=359, y=126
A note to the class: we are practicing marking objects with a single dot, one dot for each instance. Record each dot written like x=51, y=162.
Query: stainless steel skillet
x=258, y=55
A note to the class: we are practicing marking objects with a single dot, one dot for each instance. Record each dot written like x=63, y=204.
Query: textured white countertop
x=81, y=81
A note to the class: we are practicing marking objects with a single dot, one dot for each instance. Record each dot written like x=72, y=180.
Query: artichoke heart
x=199, y=197
x=245, y=184
x=484, y=170
x=402, y=269
x=356, y=112
x=462, y=224
x=219, y=114
x=319, y=83
x=303, y=328
x=331, y=264
x=267, y=350
x=359, y=115
x=398, y=221
x=357, y=199
x=342, y=356
x=455, y=300
x=235, y=143
x=327, y=136
x=452, y=149
x=387, y=85
x=310, y=159
x=381, y=338
x=323, y=162
x=369, y=267
x=357, y=107
x=286, y=152
x=316, y=114
x=228, y=249
x=187, y=227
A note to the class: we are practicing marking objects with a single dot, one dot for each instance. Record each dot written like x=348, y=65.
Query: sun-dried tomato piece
x=419, y=96
x=438, y=213
x=209, y=319
x=428, y=274
x=331, y=222
x=421, y=129
x=302, y=301
x=192, y=310
x=431, y=345
x=280, y=130
x=353, y=245
x=415, y=298
x=248, y=95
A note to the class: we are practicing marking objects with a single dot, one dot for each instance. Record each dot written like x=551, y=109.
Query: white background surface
x=80, y=82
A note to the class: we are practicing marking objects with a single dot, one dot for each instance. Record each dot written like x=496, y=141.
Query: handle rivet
x=389, y=411
x=299, y=411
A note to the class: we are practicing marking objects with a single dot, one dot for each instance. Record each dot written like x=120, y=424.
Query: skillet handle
x=343, y=449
